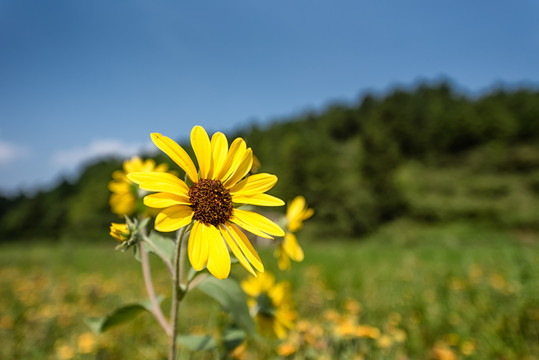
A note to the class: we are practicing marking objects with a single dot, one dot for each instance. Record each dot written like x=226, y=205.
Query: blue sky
x=79, y=79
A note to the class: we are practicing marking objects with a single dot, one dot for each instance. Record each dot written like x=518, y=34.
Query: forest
x=428, y=152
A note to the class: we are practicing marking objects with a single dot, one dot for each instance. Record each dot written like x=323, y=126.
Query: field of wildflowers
x=410, y=291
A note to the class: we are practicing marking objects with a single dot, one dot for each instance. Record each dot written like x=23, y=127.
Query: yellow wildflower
x=207, y=200
x=270, y=304
x=296, y=213
x=125, y=197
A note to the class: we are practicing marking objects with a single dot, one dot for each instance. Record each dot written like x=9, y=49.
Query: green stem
x=156, y=309
x=177, y=294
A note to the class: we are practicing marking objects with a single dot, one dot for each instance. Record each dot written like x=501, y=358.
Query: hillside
x=427, y=153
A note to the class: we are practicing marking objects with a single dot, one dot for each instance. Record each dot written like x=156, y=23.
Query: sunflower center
x=211, y=202
x=264, y=305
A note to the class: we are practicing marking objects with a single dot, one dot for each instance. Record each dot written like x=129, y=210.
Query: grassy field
x=410, y=291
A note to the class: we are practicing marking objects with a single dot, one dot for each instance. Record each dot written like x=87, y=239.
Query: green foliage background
x=428, y=153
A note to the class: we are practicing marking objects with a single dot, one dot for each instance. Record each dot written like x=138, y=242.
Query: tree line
x=345, y=159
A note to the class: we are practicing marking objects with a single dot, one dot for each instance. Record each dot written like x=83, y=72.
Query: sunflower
x=125, y=198
x=208, y=199
x=296, y=213
x=119, y=231
x=270, y=304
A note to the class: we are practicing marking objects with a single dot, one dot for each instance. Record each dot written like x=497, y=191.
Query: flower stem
x=177, y=294
x=156, y=309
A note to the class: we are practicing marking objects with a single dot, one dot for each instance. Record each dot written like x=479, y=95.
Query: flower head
x=125, y=197
x=296, y=213
x=270, y=304
x=120, y=231
x=208, y=199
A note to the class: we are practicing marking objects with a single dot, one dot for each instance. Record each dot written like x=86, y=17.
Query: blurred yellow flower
x=119, y=231
x=65, y=352
x=367, y=331
x=296, y=213
x=86, y=343
x=207, y=200
x=384, y=341
x=467, y=347
x=270, y=304
x=443, y=352
x=125, y=197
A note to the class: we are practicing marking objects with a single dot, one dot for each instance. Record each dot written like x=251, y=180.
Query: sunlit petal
x=235, y=249
x=219, y=150
x=163, y=200
x=218, y=259
x=292, y=248
x=243, y=168
x=233, y=158
x=202, y=147
x=258, y=199
x=176, y=153
x=257, y=183
x=173, y=218
x=258, y=221
x=158, y=181
x=198, y=246
x=245, y=246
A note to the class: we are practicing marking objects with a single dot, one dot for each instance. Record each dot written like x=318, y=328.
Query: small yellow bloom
x=467, y=347
x=86, y=343
x=367, y=331
x=287, y=349
x=443, y=352
x=270, y=304
x=296, y=213
x=208, y=198
x=65, y=352
x=384, y=341
x=119, y=231
x=125, y=197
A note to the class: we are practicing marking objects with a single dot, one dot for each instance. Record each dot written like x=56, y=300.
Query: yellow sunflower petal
x=257, y=183
x=292, y=248
x=135, y=164
x=295, y=208
x=252, y=229
x=235, y=249
x=219, y=150
x=158, y=181
x=173, y=218
x=202, y=147
x=218, y=258
x=258, y=199
x=232, y=160
x=243, y=168
x=307, y=214
x=283, y=261
x=177, y=154
x=245, y=246
x=198, y=246
x=258, y=221
x=163, y=200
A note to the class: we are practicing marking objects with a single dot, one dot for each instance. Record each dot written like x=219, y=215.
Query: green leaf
x=160, y=245
x=229, y=294
x=232, y=338
x=197, y=342
x=119, y=316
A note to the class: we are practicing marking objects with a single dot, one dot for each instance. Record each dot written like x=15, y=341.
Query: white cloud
x=10, y=152
x=98, y=149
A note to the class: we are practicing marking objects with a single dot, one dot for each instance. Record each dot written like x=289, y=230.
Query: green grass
x=460, y=288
